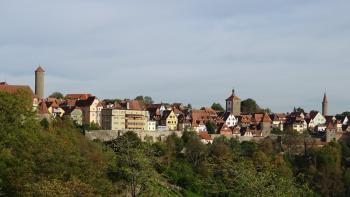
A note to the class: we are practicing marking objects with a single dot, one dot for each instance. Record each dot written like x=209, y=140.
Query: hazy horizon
x=281, y=54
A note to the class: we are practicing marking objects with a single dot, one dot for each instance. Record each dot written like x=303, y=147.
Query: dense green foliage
x=56, y=161
x=250, y=106
x=42, y=158
x=217, y=107
x=211, y=127
x=112, y=101
x=346, y=113
x=57, y=95
x=145, y=99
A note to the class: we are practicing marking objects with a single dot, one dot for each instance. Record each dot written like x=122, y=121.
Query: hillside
x=55, y=159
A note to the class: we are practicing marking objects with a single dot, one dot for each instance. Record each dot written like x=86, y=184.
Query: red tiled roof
x=258, y=117
x=233, y=97
x=266, y=118
x=210, y=110
x=223, y=129
x=204, y=136
x=199, y=116
x=70, y=102
x=39, y=69
x=15, y=88
x=246, y=119
x=78, y=96
x=177, y=111
x=135, y=105
x=281, y=116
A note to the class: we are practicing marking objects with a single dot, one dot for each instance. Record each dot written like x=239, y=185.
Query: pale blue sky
x=282, y=53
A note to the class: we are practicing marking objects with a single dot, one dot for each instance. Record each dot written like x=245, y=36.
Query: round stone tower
x=39, y=82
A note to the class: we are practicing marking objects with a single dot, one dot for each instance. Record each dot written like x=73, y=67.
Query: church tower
x=325, y=105
x=233, y=104
x=39, y=82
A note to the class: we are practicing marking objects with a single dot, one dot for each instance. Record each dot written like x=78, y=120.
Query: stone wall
x=108, y=135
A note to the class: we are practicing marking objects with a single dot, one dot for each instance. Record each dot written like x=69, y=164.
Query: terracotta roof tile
x=204, y=136
x=15, y=88
x=78, y=96
x=39, y=69
x=266, y=118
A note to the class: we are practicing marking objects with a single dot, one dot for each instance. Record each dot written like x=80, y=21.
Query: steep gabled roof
x=281, y=116
x=224, y=128
x=266, y=118
x=330, y=125
x=224, y=115
x=313, y=114
x=42, y=108
x=86, y=103
x=330, y=119
x=135, y=105
x=166, y=114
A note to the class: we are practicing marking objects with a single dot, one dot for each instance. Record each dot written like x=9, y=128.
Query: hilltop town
x=154, y=121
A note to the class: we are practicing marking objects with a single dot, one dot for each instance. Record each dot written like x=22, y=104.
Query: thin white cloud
x=282, y=53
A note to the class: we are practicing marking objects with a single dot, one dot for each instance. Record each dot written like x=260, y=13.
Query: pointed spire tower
x=325, y=105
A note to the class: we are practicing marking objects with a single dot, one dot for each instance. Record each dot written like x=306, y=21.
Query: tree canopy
x=41, y=157
x=217, y=107
x=145, y=99
x=346, y=113
x=250, y=106
x=57, y=95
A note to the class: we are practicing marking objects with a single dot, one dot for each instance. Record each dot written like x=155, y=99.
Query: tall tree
x=139, y=98
x=249, y=106
x=211, y=127
x=148, y=100
x=132, y=164
x=144, y=99
x=57, y=95
x=217, y=107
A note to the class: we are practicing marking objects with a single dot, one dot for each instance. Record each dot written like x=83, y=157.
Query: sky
x=282, y=53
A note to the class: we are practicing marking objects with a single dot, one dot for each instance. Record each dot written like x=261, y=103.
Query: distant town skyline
x=281, y=54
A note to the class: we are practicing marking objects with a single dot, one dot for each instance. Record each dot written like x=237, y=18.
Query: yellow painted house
x=169, y=120
x=54, y=109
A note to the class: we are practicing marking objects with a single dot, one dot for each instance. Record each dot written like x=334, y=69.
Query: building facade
x=122, y=119
x=169, y=120
x=91, y=109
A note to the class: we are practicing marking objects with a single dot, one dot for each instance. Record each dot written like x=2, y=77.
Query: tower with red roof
x=233, y=104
